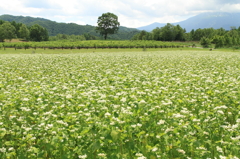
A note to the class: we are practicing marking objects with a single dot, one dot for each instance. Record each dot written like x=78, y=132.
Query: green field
x=115, y=104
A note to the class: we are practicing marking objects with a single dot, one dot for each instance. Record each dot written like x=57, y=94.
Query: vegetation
x=91, y=44
x=208, y=36
x=7, y=31
x=55, y=28
x=38, y=33
x=17, y=30
x=120, y=105
x=107, y=24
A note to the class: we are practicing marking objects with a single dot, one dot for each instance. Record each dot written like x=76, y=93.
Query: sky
x=131, y=13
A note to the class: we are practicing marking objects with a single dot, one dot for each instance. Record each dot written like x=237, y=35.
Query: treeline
x=223, y=38
x=167, y=33
x=11, y=30
x=207, y=36
x=55, y=28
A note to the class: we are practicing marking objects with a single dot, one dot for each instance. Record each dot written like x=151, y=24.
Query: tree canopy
x=10, y=30
x=7, y=31
x=38, y=33
x=107, y=24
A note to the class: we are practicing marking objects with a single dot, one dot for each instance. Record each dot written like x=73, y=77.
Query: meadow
x=112, y=105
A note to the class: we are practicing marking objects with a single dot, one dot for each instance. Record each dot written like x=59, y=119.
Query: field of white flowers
x=144, y=105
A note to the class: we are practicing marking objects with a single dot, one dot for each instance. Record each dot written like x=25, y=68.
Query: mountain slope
x=214, y=20
x=55, y=28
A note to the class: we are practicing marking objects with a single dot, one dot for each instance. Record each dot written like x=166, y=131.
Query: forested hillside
x=55, y=28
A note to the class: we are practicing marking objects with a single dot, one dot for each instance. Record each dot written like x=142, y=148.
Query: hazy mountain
x=55, y=28
x=214, y=20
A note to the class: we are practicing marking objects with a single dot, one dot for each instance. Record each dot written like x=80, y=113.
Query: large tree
x=24, y=32
x=107, y=24
x=7, y=31
x=38, y=33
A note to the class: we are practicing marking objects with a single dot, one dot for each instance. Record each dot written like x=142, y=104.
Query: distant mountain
x=214, y=20
x=152, y=26
x=55, y=28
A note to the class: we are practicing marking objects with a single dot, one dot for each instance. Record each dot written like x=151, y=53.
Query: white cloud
x=134, y=13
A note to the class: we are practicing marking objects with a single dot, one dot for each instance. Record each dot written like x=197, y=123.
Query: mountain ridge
x=214, y=20
x=55, y=28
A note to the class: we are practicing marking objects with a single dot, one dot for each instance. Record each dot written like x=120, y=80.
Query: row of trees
x=176, y=33
x=167, y=33
x=11, y=30
x=220, y=41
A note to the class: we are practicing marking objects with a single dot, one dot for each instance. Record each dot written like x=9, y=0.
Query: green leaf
x=86, y=130
x=96, y=146
x=115, y=135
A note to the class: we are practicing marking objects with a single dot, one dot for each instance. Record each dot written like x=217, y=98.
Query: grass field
x=115, y=104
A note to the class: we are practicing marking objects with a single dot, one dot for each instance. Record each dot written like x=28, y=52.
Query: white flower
x=222, y=157
x=142, y=102
x=181, y=151
x=219, y=149
x=11, y=149
x=69, y=96
x=133, y=126
x=160, y=122
x=83, y=156
x=154, y=149
x=102, y=154
x=139, y=125
x=138, y=154
x=178, y=116
x=220, y=112
x=107, y=114
x=3, y=149
x=123, y=99
x=25, y=99
x=238, y=120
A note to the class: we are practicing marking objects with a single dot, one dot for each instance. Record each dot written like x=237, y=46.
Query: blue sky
x=131, y=13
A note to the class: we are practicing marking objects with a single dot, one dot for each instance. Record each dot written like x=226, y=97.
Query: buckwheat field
x=137, y=105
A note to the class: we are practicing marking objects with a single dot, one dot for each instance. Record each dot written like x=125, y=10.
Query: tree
x=1, y=34
x=179, y=33
x=38, y=33
x=228, y=40
x=24, y=32
x=156, y=33
x=107, y=24
x=7, y=31
x=168, y=32
x=205, y=42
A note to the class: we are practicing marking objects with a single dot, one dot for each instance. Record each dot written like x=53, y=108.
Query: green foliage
x=166, y=33
x=18, y=30
x=205, y=42
x=24, y=32
x=7, y=31
x=64, y=37
x=38, y=33
x=218, y=41
x=55, y=28
x=78, y=44
x=107, y=24
x=151, y=105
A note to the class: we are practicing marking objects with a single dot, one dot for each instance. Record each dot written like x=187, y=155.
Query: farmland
x=145, y=104
x=90, y=44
